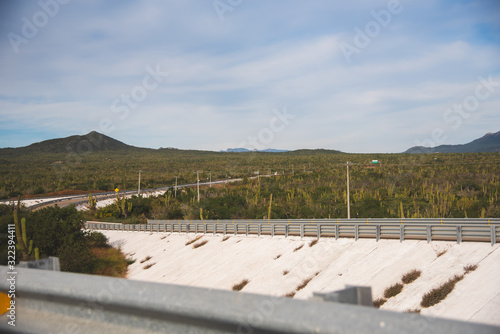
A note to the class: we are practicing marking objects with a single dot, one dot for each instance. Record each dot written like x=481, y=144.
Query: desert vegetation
x=239, y=286
x=396, y=288
x=440, y=293
x=301, y=286
x=59, y=232
x=308, y=184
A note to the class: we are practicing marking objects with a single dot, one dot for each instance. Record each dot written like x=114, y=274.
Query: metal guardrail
x=459, y=230
x=58, y=302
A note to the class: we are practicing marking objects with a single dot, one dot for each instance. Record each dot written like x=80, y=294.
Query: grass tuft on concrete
x=411, y=276
x=199, y=244
x=194, y=240
x=438, y=294
x=393, y=290
x=239, y=286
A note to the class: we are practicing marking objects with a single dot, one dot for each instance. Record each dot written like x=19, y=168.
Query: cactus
x=269, y=210
x=37, y=254
x=129, y=207
x=22, y=243
x=92, y=203
x=23, y=227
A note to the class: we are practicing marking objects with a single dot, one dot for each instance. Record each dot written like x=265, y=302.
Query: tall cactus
x=92, y=203
x=22, y=242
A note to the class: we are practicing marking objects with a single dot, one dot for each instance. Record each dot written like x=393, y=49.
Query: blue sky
x=357, y=76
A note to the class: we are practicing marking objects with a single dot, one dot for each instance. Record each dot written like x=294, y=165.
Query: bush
x=379, y=302
x=438, y=294
x=241, y=285
x=411, y=276
x=393, y=290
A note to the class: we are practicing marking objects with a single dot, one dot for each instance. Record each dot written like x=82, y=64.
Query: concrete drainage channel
x=57, y=302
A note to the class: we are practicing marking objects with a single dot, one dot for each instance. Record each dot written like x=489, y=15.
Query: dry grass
x=163, y=237
x=285, y=272
x=225, y=238
x=201, y=243
x=277, y=256
x=240, y=285
x=313, y=242
x=415, y=310
x=438, y=294
x=110, y=262
x=290, y=294
x=147, y=258
x=299, y=247
x=305, y=282
x=393, y=290
x=194, y=240
x=147, y=266
x=470, y=267
x=441, y=253
x=379, y=302
x=411, y=276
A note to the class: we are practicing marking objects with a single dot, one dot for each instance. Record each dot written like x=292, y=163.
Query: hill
x=240, y=150
x=91, y=142
x=488, y=143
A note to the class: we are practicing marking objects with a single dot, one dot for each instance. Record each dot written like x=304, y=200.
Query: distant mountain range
x=96, y=142
x=239, y=150
x=488, y=143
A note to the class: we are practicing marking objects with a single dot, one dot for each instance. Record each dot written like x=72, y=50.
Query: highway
x=63, y=201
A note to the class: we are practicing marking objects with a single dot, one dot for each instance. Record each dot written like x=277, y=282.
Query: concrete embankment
x=281, y=266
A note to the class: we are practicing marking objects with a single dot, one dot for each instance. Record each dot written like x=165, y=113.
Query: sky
x=363, y=76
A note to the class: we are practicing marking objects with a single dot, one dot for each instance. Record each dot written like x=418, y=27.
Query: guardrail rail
x=450, y=229
x=59, y=302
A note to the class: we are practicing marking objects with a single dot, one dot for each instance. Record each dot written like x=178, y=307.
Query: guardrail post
x=224, y=229
x=356, y=232
x=459, y=234
x=195, y=228
x=272, y=230
x=493, y=235
x=319, y=231
x=302, y=230
x=429, y=233
x=377, y=232
x=235, y=228
x=337, y=232
x=204, y=228
x=259, y=229
x=214, y=228
x=286, y=231
x=401, y=233
x=246, y=230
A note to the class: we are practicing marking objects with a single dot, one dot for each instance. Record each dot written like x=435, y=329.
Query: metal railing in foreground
x=478, y=230
x=58, y=302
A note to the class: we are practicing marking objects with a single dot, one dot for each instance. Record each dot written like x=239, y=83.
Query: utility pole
x=198, y=185
x=139, y=188
x=175, y=189
x=348, y=199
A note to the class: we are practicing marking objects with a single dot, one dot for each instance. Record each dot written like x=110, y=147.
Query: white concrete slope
x=277, y=266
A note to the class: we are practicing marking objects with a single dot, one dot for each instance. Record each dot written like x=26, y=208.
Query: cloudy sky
x=357, y=76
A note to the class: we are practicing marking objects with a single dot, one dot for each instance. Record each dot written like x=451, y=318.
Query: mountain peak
x=80, y=144
x=490, y=142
